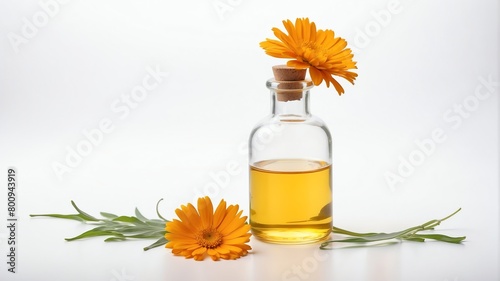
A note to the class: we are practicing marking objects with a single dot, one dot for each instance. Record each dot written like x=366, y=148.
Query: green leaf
x=415, y=239
x=76, y=217
x=94, y=233
x=115, y=239
x=150, y=234
x=140, y=216
x=133, y=220
x=160, y=242
x=440, y=237
x=84, y=215
x=130, y=229
x=108, y=215
x=156, y=223
x=383, y=243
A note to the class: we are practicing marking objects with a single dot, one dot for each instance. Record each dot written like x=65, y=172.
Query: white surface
x=413, y=69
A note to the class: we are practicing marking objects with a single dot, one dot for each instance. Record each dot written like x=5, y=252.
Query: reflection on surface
x=291, y=262
x=384, y=263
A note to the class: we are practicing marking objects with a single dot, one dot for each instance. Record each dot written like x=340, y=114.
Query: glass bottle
x=290, y=166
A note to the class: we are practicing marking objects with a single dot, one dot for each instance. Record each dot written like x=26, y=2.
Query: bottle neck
x=290, y=105
x=290, y=99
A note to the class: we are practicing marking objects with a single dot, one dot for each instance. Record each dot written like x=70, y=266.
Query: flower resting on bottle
x=317, y=50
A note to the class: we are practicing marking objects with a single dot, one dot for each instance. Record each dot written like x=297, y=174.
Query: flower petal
x=229, y=217
x=205, y=208
x=220, y=213
x=239, y=240
x=199, y=251
x=237, y=232
x=316, y=75
x=236, y=223
x=297, y=64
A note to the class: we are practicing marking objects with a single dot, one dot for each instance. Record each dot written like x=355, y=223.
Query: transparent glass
x=290, y=154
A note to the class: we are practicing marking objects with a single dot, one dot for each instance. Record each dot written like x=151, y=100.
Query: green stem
x=158, y=212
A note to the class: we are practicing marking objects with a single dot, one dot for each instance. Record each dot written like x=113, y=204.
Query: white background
x=419, y=62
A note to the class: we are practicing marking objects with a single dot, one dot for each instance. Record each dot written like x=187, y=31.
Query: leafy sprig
x=410, y=234
x=121, y=228
x=118, y=228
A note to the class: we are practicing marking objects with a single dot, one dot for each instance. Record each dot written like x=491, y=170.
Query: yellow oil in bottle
x=290, y=200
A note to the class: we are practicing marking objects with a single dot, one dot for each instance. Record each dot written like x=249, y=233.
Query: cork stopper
x=286, y=75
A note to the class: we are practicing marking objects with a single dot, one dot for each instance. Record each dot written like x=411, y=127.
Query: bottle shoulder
x=291, y=120
x=277, y=123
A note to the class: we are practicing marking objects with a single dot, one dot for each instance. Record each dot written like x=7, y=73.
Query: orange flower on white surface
x=222, y=234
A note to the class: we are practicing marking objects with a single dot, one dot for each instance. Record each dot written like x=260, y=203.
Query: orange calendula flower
x=222, y=234
x=318, y=50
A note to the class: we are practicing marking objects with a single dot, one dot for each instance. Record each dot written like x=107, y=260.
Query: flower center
x=209, y=238
x=312, y=52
